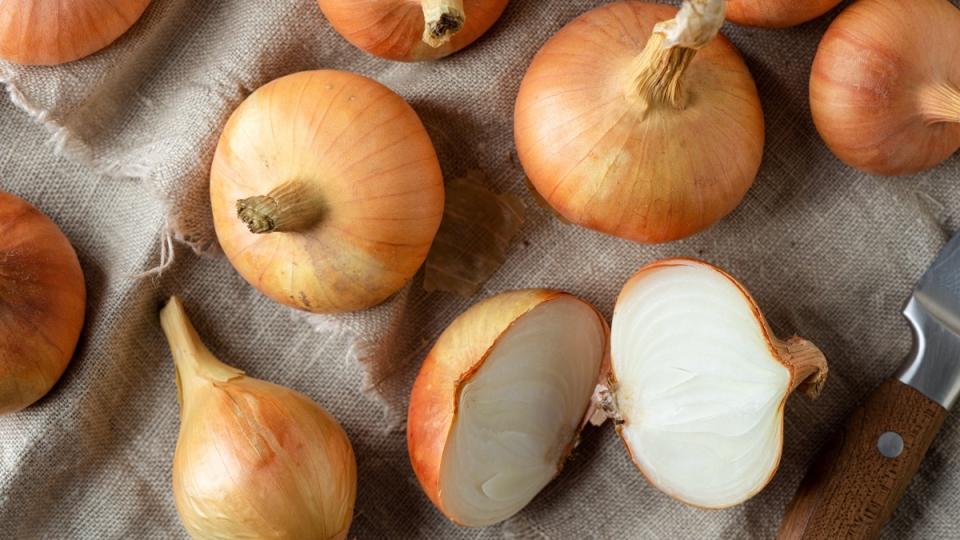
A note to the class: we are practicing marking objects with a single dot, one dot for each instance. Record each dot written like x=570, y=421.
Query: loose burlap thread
x=118, y=153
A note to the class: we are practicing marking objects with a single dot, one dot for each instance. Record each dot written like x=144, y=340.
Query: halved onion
x=698, y=382
x=500, y=401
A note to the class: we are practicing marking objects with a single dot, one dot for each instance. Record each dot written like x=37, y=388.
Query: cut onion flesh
x=519, y=412
x=700, y=383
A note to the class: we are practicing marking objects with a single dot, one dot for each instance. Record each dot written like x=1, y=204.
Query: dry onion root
x=50, y=32
x=42, y=302
x=647, y=142
x=698, y=383
x=777, y=13
x=885, y=85
x=253, y=459
x=412, y=30
x=500, y=400
x=326, y=191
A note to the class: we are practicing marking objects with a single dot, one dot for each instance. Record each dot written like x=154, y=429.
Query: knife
x=856, y=481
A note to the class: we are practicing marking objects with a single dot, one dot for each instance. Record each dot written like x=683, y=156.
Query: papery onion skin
x=393, y=29
x=51, y=32
x=253, y=459
x=885, y=85
x=603, y=160
x=805, y=363
x=776, y=13
x=366, y=160
x=459, y=352
x=42, y=303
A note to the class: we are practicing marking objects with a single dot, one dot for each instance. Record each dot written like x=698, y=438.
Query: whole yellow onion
x=50, y=32
x=253, y=460
x=641, y=122
x=42, y=302
x=326, y=191
x=885, y=85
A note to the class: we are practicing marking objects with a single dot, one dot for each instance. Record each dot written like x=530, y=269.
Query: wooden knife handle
x=852, y=488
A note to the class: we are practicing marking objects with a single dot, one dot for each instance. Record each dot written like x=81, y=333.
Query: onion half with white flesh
x=500, y=401
x=698, y=383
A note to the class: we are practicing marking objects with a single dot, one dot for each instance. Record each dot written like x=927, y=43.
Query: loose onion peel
x=253, y=459
x=640, y=121
x=471, y=245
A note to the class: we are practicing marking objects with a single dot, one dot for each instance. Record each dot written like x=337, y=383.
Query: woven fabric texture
x=116, y=148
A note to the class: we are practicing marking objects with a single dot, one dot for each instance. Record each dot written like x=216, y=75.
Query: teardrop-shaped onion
x=253, y=459
x=700, y=382
x=49, y=32
x=776, y=13
x=412, y=30
x=326, y=191
x=626, y=134
x=885, y=85
x=42, y=302
x=500, y=400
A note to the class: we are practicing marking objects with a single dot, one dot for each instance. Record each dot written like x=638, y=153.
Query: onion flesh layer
x=520, y=413
x=699, y=387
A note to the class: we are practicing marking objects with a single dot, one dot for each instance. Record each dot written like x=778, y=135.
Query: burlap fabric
x=828, y=252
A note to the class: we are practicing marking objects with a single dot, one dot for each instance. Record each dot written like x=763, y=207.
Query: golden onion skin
x=42, y=303
x=366, y=154
x=253, y=459
x=257, y=460
x=605, y=161
x=50, y=32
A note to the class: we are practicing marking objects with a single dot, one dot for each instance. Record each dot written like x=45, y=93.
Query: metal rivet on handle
x=890, y=444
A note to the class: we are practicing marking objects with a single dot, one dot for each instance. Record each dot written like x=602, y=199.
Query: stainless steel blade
x=933, y=366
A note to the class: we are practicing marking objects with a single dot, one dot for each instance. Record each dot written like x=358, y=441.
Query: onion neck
x=940, y=103
x=442, y=19
x=808, y=366
x=658, y=73
x=291, y=207
x=195, y=364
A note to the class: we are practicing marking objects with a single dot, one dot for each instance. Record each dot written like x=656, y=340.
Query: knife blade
x=933, y=310
x=855, y=482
